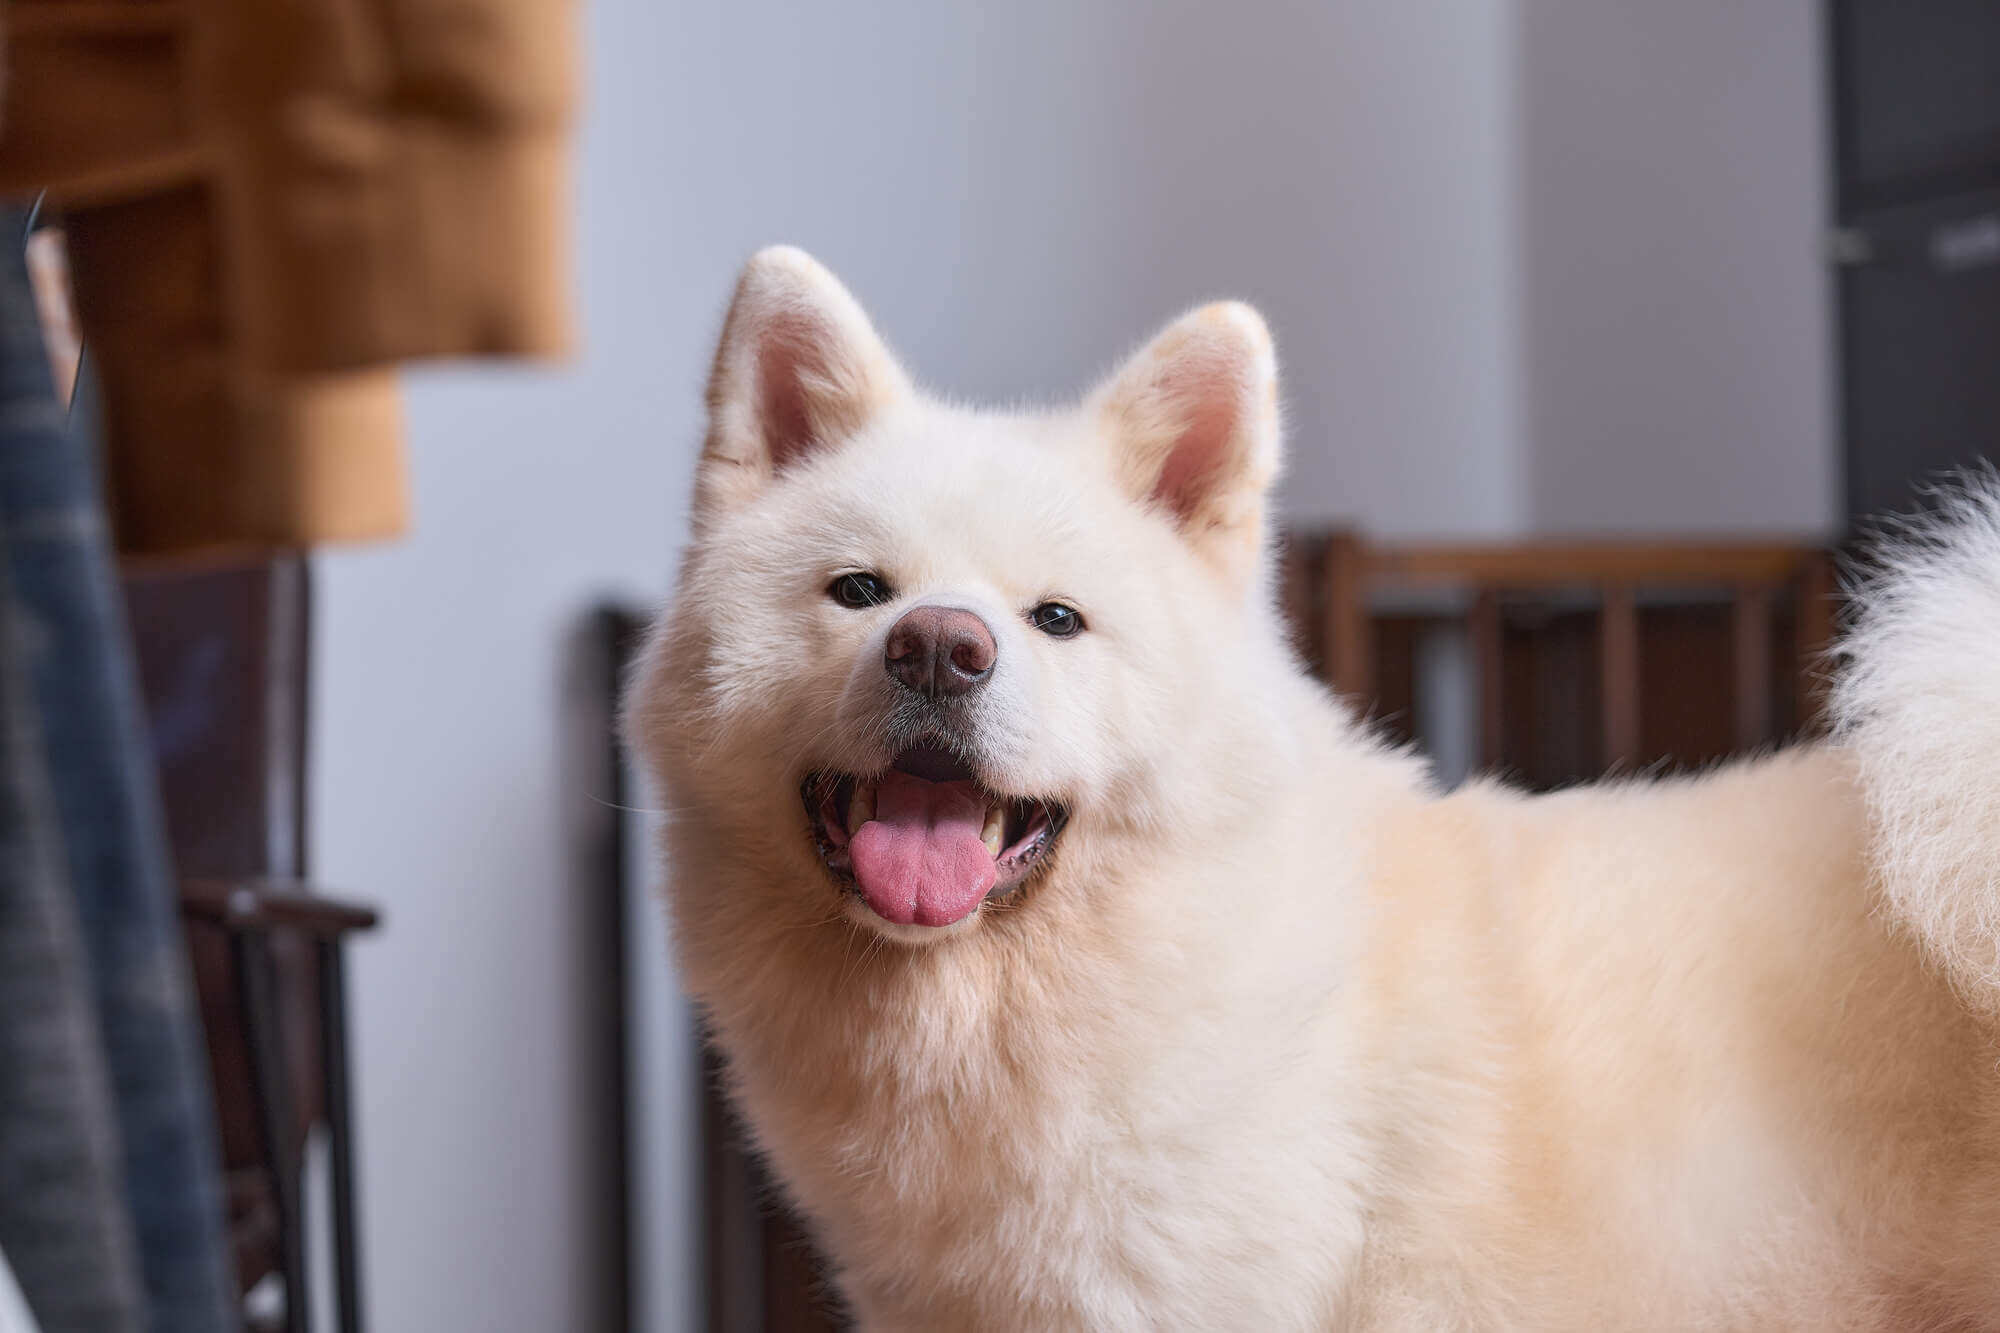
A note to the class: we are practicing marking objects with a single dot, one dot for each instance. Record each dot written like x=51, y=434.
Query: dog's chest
x=1099, y=1207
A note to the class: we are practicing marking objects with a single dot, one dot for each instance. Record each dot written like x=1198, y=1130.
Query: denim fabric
x=64, y=1222
x=84, y=741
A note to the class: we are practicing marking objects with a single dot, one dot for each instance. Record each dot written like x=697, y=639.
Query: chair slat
x=1488, y=658
x=1552, y=564
x=1750, y=637
x=1350, y=653
x=1618, y=665
x=1297, y=562
x=1816, y=608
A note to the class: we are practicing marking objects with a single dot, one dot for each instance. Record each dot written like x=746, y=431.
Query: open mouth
x=924, y=843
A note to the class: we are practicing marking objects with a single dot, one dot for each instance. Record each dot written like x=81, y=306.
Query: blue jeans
x=83, y=849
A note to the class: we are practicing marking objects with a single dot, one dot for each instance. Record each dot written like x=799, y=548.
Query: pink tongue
x=920, y=860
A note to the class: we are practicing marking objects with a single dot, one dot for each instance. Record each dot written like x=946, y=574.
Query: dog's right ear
x=799, y=368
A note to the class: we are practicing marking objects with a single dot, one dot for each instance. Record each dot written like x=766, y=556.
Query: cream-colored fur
x=1283, y=1038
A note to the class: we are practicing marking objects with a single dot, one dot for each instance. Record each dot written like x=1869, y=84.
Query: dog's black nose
x=940, y=652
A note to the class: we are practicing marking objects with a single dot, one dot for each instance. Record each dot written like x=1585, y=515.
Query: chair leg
x=256, y=978
x=340, y=1132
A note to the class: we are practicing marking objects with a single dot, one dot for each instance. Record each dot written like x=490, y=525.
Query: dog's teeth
x=996, y=828
x=860, y=806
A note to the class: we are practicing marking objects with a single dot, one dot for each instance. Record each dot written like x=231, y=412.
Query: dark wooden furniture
x=293, y=1075
x=1587, y=655
x=222, y=652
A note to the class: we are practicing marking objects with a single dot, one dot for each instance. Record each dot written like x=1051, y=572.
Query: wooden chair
x=282, y=1067
x=222, y=653
x=1667, y=617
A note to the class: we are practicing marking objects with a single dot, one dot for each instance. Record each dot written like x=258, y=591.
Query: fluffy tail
x=1918, y=701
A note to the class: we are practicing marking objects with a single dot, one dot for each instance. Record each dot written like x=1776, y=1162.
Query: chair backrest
x=1745, y=623
x=222, y=658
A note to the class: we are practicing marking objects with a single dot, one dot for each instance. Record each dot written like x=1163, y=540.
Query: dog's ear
x=1192, y=420
x=799, y=368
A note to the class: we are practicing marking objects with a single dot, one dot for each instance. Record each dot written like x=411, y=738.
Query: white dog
x=1082, y=964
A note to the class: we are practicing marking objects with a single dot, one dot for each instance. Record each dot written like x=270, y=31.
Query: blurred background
x=1702, y=277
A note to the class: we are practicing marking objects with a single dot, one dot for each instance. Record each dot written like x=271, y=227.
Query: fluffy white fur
x=1918, y=702
x=1282, y=1037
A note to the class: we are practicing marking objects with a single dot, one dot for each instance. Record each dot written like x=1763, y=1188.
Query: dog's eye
x=858, y=590
x=1056, y=620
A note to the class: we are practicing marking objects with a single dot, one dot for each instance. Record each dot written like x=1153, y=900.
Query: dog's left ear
x=1192, y=420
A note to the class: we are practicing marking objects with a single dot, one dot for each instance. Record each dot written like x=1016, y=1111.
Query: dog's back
x=1727, y=1089
x=1750, y=1075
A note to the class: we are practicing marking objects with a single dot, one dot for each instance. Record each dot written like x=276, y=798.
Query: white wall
x=1676, y=372
x=1019, y=193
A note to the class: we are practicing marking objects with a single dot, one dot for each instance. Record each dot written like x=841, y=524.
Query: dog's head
x=925, y=659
